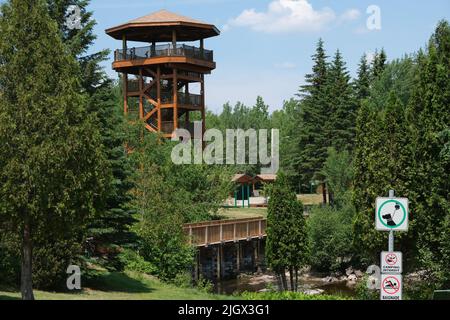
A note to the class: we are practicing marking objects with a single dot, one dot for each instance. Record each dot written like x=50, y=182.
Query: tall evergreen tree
x=52, y=166
x=362, y=82
x=112, y=226
x=314, y=112
x=79, y=38
x=429, y=116
x=341, y=123
x=287, y=247
x=378, y=63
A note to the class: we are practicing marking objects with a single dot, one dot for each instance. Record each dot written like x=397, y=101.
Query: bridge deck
x=213, y=232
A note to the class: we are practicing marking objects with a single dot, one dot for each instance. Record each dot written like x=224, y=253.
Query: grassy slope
x=242, y=213
x=124, y=286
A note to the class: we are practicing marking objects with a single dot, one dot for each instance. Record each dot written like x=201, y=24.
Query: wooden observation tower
x=160, y=78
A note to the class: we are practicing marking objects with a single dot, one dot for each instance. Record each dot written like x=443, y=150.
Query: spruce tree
x=341, y=123
x=111, y=227
x=80, y=40
x=362, y=83
x=378, y=64
x=311, y=139
x=52, y=166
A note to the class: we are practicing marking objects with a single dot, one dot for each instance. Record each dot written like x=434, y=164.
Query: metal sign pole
x=391, y=233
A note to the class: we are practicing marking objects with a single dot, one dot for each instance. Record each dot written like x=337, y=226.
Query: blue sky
x=266, y=45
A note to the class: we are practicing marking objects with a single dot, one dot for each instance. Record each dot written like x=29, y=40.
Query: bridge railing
x=222, y=231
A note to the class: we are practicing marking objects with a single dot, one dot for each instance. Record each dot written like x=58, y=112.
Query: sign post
x=391, y=215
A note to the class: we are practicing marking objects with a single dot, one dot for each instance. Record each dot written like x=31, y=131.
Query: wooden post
x=124, y=47
x=255, y=254
x=202, y=105
x=174, y=41
x=243, y=196
x=175, y=99
x=190, y=235
x=238, y=256
x=202, y=48
x=158, y=93
x=219, y=261
x=206, y=235
x=196, y=265
x=125, y=93
x=248, y=230
x=248, y=193
x=221, y=233
x=200, y=267
x=153, y=50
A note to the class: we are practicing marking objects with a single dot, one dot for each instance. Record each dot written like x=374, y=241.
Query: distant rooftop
x=158, y=27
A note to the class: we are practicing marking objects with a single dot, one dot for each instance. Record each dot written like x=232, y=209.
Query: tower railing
x=166, y=50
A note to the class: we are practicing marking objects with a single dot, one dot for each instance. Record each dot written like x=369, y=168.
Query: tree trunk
x=283, y=278
x=26, y=286
x=296, y=279
x=291, y=278
x=280, y=283
x=324, y=193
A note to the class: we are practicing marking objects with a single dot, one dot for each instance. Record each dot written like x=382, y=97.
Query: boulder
x=343, y=278
x=352, y=278
x=349, y=271
x=330, y=279
x=359, y=273
x=313, y=292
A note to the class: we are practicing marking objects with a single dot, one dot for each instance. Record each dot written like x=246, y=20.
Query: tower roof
x=158, y=27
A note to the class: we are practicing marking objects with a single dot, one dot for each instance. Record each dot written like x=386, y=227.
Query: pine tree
x=341, y=123
x=52, y=166
x=312, y=140
x=378, y=64
x=362, y=83
x=80, y=40
x=112, y=226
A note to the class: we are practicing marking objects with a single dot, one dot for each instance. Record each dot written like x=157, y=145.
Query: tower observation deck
x=159, y=77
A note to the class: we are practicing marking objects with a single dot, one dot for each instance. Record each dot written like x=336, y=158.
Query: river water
x=255, y=283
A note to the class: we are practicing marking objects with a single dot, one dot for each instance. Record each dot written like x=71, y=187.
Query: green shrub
x=364, y=293
x=330, y=237
x=288, y=295
x=204, y=285
x=9, y=262
x=50, y=263
x=132, y=261
x=183, y=280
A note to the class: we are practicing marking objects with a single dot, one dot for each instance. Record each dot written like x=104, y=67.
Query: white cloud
x=284, y=16
x=350, y=15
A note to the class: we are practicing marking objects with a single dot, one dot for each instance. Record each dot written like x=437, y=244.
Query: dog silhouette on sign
x=390, y=217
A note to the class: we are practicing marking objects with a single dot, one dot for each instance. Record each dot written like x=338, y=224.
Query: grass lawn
x=242, y=213
x=123, y=286
x=310, y=199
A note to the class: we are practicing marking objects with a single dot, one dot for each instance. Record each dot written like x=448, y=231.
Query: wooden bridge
x=203, y=234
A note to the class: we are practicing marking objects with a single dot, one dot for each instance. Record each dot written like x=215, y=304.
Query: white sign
x=391, y=287
x=391, y=214
x=391, y=262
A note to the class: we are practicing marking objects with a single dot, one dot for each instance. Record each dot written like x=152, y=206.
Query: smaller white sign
x=391, y=262
x=391, y=214
x=391, y=287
